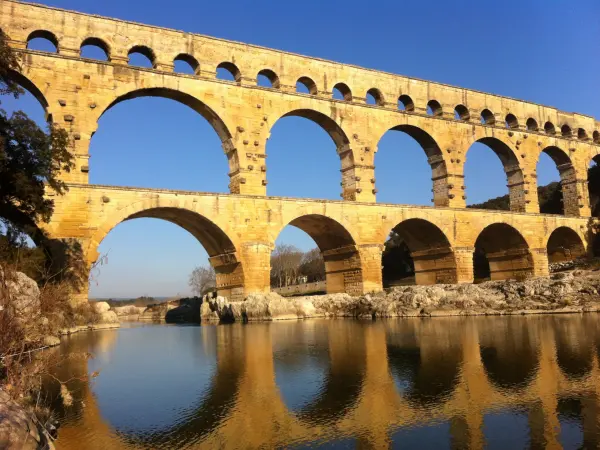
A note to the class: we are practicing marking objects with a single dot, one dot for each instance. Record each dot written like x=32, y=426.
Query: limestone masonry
x=239, y=229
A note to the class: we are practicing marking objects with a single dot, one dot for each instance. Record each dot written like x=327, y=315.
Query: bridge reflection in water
x=444, y=383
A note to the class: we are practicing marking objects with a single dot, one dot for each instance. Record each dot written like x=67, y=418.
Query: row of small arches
x=96, y=48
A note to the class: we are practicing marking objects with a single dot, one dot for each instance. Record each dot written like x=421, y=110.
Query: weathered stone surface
x=25, y=294
x=574, y=291
x=239, y=231
x=109, y=317
x=51, y=341
x=129, y=310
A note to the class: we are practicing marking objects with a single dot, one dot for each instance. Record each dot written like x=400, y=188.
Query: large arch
x=568, y=179
x=506, y=251
x=343, y=268
x=512, y=168
x=435, y=158
x=221, y=250
x=430, y=250
x=564, y=244
x=340, y=140
x=27, y=84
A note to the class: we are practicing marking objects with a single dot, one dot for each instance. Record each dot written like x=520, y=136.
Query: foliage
x=396, y=260
x=312, y=266
x=285, y=265
x=203, y=280
x=9, y=62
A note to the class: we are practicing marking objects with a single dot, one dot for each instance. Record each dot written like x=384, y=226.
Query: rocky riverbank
x=569, y=291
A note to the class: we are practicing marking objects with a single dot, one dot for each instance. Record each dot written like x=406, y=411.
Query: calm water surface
x=500, y=383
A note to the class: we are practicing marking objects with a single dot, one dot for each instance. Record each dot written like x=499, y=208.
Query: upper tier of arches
x=205, y=54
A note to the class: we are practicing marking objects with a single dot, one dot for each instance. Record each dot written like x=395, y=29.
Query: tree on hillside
x=203, y=280
x=30, y=160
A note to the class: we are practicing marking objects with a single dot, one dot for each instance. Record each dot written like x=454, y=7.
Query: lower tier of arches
x=439, y=245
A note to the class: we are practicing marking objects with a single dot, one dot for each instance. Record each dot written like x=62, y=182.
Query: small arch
x=461, y=112
x=532, y=124
x=405, y=103
x=43, y=40
x=582, y=134
x=341, y=91
x=374, y=97
x=487, y=117
x=549, y=128
x=596, y=137
x=434, y=108
x=305, y=85
x=148, y=60
x=268, y=78
x=511, y=121
x=564, y=244
x=94, y=48
x=229, y=72
x=566, y=131
x=432, y=256
x=506, y=251
x=187, y=64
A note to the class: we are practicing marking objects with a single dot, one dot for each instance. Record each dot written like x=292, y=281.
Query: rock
x=109, y=317
x=129, y=310
x=51, y=341
x=100, y=307
x=18, y=430
x=25, y=294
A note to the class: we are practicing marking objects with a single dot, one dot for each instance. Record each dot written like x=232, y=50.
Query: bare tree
x=203, y=280
x=312, y=265
x=285, y=265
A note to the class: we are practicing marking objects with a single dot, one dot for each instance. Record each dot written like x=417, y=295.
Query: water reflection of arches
x=427, y=372
x=341, y=360
x=574, y=351
x=509, y=353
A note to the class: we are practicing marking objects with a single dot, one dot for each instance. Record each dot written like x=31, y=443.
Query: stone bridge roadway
x=379, y=378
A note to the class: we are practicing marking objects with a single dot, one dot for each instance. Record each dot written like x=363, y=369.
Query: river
x=485, y=382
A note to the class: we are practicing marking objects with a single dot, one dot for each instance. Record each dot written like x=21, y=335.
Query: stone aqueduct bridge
x=238, y=230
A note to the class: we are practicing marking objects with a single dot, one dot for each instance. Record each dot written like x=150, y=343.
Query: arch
x=27, y=84
x=95, y=42
x=144, y=51
x=567, y=186
x=549, y=128
x=406, y=103
x=487, y=117
x=374, y=97
x=506, y=251
x=328, y=124
x=564, y=244
x=343, y=269
x=511, y=121
x=190, y=61
x=231, y=69
x=46, y=35
x=509, y=354
x=308, y=84
x=219, y=246
x=434, y=108
x=344, y=92
x=566, y=131
x=201, y=108
x=532, y=124
x=435, y=158
x=596, y=137
x=271, y=76
x=461, y=112
x=582, y=134
x=430, y=249
x=512, y=168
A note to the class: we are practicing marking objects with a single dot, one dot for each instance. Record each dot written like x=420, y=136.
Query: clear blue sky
x=545, y=51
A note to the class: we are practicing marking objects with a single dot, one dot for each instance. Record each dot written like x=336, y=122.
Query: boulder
x=100, y=307
x=51, y=341
x=109, y=317
x=25, y=294
x=18, y=429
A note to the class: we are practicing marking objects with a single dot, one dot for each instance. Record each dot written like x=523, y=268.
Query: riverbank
x=573, y=291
